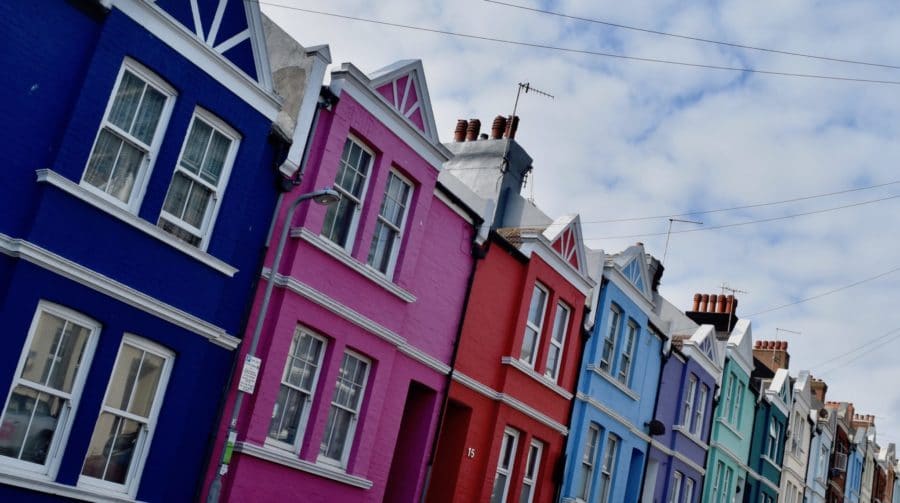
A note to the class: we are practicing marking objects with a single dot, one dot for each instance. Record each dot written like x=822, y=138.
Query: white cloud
x=628, y=139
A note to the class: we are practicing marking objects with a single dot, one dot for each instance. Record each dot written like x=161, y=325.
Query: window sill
x=68, y=186
x=615, y=382
x=286, y=459
x=343, y=257
x=690, y=436
x=730, y=428
x=541, y=379
x=40, y=484
x=771, y=461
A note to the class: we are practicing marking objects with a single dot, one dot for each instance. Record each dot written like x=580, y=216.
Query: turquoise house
x=773, y=391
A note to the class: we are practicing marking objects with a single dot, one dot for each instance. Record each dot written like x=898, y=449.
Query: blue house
x=609, y=435
x=141, y=172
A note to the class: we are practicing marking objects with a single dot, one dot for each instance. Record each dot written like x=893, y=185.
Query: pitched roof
x=402, y=84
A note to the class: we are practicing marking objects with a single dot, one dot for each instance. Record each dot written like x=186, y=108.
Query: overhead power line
x=877, y=342
x=825, y=293
x=749, y=222
x=861, y=355
x=693, y=38
x=744, y=207
x=580, y=51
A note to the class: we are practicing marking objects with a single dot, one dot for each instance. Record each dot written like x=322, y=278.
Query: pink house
x=361, y=328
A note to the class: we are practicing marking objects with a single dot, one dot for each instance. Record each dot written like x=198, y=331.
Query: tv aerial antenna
x=669, y=233
x=733, y=291
x=527, y=88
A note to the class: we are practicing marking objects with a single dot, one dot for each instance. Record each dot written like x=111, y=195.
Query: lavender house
x=691, y=370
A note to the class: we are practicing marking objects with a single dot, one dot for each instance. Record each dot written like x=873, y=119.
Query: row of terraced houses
x=295, y=292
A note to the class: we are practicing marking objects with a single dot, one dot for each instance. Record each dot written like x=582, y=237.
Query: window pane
x=102, y=160
x=215, y=158
x=126, y=101
x=125, y=374
x=29, y=423
x=338, y=218
x=499, y=488
x=336, y=433
x=178, y=232
x=111, y=449
x=382, y=247
x=148, y=115
x=177, y=195
x=198, y=201
x=195, y=147
x=536, y=309
x=55, y=353
x=125, y=173
x=303, y=362
x=147, y=382
x=552, y=360
x=528, y=344
x=560, y=322
x=287, y=414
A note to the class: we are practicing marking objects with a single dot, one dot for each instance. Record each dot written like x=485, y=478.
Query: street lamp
x=326, y=196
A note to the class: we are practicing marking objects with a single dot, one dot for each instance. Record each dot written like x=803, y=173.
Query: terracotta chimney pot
x=473, y=129
x=696, y=307
x=459, y=134
x=512, y=124
x=704, y=300
x=498, y=127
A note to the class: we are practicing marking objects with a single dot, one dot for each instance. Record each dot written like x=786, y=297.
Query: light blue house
x=610, y=434
x=820, y=446
x=856, y=462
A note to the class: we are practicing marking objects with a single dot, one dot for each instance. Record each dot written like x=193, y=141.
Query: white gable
x=564, y=236
x=632, y=263
x=403, y=86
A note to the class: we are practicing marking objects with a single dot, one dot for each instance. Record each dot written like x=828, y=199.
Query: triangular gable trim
x=564, y=236
x=407, y=93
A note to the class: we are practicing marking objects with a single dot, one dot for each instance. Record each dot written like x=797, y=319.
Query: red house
x=505, y=423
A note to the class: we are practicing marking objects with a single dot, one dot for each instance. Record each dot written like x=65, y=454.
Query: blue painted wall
x=635, y=407
x=56, y=83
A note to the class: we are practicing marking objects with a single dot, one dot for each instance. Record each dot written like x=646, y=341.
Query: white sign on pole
x=249, y=374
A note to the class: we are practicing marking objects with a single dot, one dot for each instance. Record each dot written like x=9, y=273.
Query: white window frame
x=350, y=438
x=589, y=460
x=357, y=212
x=688, y=490
x=700, y=410
x=687, y=407
x=773, y=440
x=398, y=239
x=218, y=190
x=50, y=467
x=632, y=331
x=537, y=328
x=301, y=331
x=508, y=433
x=675, y=490
x=608, y=465
x=609, y=340
x=797, y=434
x=536, y=449
x=142, y=446
x=139, y=189
x=718, y=482
x=560, y=344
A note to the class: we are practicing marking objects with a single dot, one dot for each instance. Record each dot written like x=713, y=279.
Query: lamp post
x=326, y=197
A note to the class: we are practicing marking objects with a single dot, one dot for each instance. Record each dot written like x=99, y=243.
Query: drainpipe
x=478, y=254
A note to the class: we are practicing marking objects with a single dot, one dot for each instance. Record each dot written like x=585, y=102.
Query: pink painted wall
x=434, y=265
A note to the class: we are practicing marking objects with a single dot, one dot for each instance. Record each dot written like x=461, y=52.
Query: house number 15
x=470, y=452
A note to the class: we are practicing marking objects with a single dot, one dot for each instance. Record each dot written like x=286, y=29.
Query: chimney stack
x=473, y=129
x=863, y=420
x=818, y=389
x=773, y=354
x=459, y=134
x=718, y=310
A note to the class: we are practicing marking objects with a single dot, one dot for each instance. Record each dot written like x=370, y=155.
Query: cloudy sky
x=627, y=139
